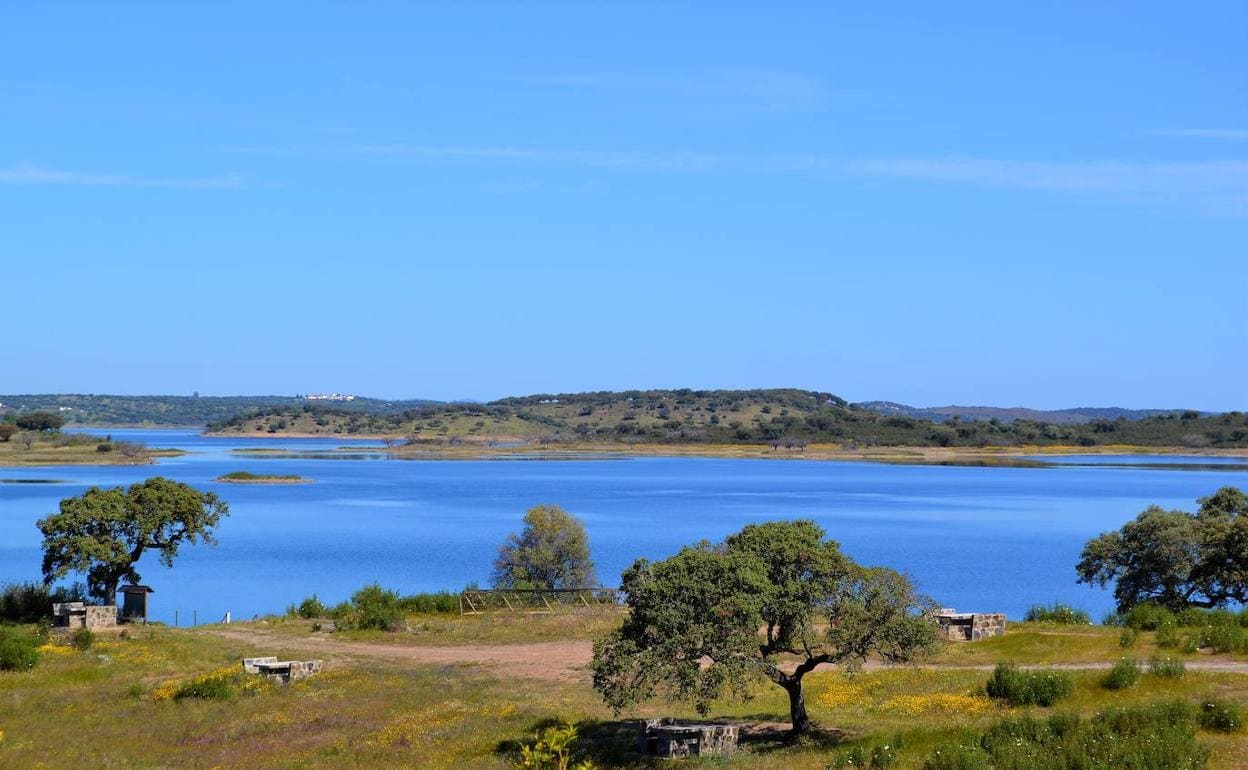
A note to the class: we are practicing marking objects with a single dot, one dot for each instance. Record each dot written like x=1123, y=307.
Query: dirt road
x=540, y=660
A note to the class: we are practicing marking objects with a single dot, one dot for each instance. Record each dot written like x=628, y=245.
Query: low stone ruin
x=969, y=626
x=281, y=671
x=75, y=615
x=670, y=739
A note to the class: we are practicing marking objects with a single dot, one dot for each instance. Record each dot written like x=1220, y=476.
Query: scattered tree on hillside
x=551, y=552
x=44, y=422
x=7, y=430
x=693, y=628
x=104, y=532
x=1175, y=558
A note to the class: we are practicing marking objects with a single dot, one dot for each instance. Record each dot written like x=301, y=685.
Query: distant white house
x=330, y=397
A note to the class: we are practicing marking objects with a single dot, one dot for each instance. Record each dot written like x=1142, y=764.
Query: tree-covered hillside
x=785, y=417
x=90, y=409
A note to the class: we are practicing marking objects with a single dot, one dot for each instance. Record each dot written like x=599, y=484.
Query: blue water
x=988, y=539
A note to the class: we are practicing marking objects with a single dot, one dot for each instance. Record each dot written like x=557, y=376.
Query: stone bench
x=670, y=739
x=281, y=670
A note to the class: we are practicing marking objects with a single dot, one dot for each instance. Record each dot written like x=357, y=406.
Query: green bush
x=1062, y=614
x=1170, y=668
x=1224, y=716
x=1148, y=617
x=441, y=602
x=82, y=639
x=873, y=756
x=1125, y=673
x=1042, y=687
x=371, y=607
x=1224, y=635
x=1128, y=637
x=311, y=607
x=1144, y=737
x=32, y=602
x=104, y=447
x=18, y=651
x=954, y=757
x=1168, y=637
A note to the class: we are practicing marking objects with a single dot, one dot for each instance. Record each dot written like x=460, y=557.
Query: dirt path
x=565, y=660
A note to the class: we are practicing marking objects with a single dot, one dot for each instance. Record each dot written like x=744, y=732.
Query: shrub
x=1127, y=637
x=1062, y=614
x=18, y=651
x=430, y=603
x=371, y=607
x=1148, y=617
x=1125, y=673
x=1156, y=736
x=1029, y=688
x=877, y=756
x=311, y=607
x=82, y=639
x=1167, y=667
x=32, y=602
x=551, y=749
x=1224, y=716
x=103, y=446
x=1168, y=637
x=1223, y=636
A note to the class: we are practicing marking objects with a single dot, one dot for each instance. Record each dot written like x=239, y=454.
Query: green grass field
x=103, y=707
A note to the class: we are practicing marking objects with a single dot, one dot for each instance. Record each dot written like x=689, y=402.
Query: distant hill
x=781, y=417
x=1010, y=414
x=91, y=409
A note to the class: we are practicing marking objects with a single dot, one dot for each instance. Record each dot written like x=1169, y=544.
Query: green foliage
x=552, y=551
x=18, y=650
x=104, y=532
x=7, y=431
x=371, y=607
x=82, y=639
x=1125, y=673
x=1039, y=687
x=867, y=756
x=1148, y=617
x=249, y=476
x=1221, y=715
x=1139, y=738
x=708, y=602
x=1058, y=613
x=215, y=686
x=311, y=607
x=1127, y=638
x=1170, y=668
x=32, y=602
x=551, y=749
x=1175, y=559
x=41, y=422
x=442, y=602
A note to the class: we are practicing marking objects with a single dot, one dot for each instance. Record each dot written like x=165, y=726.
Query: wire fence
x=479, y=602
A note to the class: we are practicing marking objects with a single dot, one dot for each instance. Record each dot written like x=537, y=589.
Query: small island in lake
x=246, y=477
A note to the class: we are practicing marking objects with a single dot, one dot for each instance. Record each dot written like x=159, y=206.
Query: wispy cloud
x=1215, y=186
x=592, y=158
x=1204, y=133
x=752, y=87
x=27, y=173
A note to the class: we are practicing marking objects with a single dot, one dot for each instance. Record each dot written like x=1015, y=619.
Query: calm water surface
x=995, y=539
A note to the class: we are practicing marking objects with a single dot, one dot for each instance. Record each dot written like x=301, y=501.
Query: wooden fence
x=538, y=600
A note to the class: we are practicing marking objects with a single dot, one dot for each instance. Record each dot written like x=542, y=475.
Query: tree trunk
x=797, y=707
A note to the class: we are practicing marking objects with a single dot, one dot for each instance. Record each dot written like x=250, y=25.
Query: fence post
x=175, y=618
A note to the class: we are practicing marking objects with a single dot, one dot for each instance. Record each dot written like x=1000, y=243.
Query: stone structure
x=970, y=626
x=134, y=605
x=76, y=615
x=670, y=739
x=282, y=671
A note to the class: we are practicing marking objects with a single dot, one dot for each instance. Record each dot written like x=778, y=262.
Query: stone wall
x=970, y=626
x=76, y=615
x=671, y=739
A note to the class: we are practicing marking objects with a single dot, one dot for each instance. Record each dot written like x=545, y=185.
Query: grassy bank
x=247, y=477
x=367, y=711
x=46, y=451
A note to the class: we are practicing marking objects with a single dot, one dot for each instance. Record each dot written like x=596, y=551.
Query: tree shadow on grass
x=613, y=743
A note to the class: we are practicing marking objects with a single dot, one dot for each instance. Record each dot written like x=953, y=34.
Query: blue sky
x=1037, y=204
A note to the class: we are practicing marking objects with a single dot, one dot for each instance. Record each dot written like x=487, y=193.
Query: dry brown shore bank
x=512, y=447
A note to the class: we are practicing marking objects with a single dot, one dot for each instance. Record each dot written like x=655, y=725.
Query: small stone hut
x=75, y=615
x=969, y=626
x=670, y=739
x=134, y=606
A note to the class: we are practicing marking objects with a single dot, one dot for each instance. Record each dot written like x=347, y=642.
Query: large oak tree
x=772, y=602
x=104, y=532
x=1175, y=558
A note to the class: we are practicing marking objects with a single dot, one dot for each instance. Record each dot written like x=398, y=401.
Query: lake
x=975, y=538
